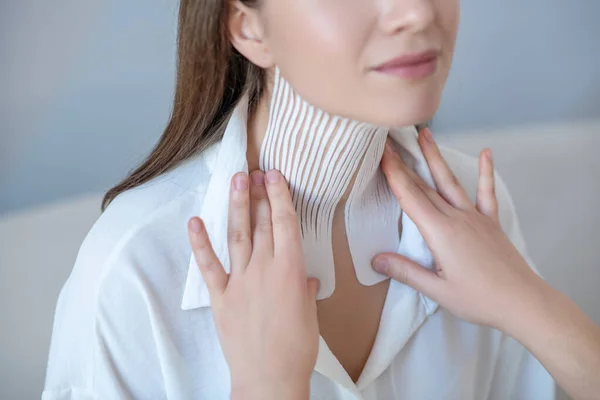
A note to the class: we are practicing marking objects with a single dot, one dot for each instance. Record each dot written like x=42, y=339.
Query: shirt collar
x=405, y=310
x=229, y=157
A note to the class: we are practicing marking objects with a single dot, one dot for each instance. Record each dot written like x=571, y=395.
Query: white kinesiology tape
x=326, y=159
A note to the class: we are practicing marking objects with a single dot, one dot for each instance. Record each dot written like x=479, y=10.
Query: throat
x=349, y=319
x=328, y=161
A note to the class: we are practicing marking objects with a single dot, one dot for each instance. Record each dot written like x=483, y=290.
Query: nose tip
x=408, y=15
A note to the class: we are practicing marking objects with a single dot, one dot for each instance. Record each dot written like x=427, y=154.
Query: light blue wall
x=523, y=62
x=86, y=93
x=87, y=85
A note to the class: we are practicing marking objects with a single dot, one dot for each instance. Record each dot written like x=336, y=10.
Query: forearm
x=562, y=338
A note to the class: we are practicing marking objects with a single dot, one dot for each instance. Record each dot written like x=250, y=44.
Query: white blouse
x=133, y=322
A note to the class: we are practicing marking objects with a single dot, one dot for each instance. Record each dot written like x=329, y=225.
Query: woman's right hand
x=265, y=310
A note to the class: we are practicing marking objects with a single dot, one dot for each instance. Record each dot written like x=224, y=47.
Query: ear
x=246, y=31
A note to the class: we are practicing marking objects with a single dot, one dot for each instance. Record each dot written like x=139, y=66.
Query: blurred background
x=87, y=85
x=86, y=91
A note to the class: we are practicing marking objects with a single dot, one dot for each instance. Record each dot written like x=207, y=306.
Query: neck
x=287, y=133
x=331, y=164
x=257, y=129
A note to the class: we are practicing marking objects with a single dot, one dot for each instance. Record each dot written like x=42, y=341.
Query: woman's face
x=334, y=53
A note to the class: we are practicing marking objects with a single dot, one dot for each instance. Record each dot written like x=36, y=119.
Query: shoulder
x=142, y=234
x=130, y=269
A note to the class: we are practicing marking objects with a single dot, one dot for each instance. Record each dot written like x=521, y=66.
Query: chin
x=394, y=107
x=397, y=107
x=404, y=113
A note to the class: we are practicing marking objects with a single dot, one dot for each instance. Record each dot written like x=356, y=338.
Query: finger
x=487, y=202
x=412, y=197
x=445, y=180
x=239, y=236
x=410, y=273
x=286, y=232
x=210, y=267
x=262, y=237
x=435, y=198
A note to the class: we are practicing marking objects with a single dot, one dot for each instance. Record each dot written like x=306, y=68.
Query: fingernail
x=381, y=265
x=258, y=178
x=196, y=225
x=273, y=176
x=428, y=135
x=240, y=182
x=489, y=156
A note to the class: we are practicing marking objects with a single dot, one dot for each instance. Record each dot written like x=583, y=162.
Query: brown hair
x=211, y=78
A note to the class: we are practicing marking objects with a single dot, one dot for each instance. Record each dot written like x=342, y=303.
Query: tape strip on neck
x=326, y=159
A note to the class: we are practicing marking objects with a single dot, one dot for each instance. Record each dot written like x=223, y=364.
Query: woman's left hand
x=265, y=310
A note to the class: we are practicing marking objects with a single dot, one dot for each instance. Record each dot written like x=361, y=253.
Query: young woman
x=313, y=89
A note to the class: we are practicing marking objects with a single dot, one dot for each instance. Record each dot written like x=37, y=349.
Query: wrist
x=531, y=311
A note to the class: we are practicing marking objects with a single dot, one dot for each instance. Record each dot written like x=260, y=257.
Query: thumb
x=313, y=288
x=409, y=273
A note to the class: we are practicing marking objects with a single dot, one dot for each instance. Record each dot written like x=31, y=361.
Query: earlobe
x=246, y=35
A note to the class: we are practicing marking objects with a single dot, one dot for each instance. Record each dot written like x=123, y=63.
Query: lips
x=411, y=66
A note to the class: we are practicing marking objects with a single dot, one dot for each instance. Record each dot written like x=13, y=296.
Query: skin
x=466, y=240
x=345, y=41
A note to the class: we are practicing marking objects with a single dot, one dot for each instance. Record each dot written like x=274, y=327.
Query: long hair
x=211, y=78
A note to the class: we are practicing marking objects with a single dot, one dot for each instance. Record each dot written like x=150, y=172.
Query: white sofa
x=553, y=173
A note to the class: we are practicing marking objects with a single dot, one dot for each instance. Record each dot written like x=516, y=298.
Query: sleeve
x=104, y=344
x=518, y=375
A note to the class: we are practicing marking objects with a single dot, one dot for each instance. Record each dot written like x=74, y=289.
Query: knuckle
x=452, y=180
x=277, y=196
x=450, y=228
x=203, y=245
x=402, y=275
x=262, y=226
x=238, y=236
x=486, y=188
x=413, y=187
x=258, y=194
x=239, y=201
x=211, y=266
x=284, y=219
x=278, y=187
x=205, y=262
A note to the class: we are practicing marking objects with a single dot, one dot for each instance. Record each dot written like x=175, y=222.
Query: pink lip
x=411, y=66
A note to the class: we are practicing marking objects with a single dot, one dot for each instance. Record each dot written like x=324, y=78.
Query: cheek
x=449, y=12
x=318, y=26
x=318, y=40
